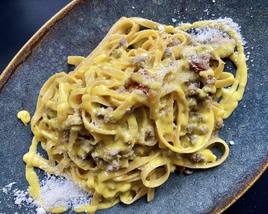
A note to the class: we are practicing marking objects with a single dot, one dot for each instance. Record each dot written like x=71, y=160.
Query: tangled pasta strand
x=149, y=99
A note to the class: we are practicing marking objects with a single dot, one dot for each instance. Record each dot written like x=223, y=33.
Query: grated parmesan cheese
x=206, y=11
x=22, y=197
x=206, y=34
x=58, y=191
x=40, y=210
x=231, y=142
x=230, y=22
x=161, y=28
x=54, y=192
x=8, y=187
x=173, y=20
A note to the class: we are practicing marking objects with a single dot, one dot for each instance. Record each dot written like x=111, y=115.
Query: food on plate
x=148, y=100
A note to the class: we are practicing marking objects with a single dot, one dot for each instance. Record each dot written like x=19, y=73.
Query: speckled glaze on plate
x=76, y=30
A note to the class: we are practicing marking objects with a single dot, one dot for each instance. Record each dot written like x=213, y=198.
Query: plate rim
x=37, y=37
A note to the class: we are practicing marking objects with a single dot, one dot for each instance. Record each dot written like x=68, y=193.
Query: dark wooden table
x=19, y=19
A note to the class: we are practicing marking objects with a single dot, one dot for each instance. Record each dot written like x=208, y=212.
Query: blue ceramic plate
x=76, y=30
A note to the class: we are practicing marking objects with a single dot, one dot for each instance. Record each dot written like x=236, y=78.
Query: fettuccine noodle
x=147, y=101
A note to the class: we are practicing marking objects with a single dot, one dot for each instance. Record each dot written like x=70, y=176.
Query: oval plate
x=76, y=30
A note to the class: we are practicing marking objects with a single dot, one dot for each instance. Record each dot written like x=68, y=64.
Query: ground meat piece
x=144, y=73
x=211, y=80
x=113, y=152
x=196, y=117
x=152, y=96
x=199, y=63
x=219, y=124
x=197, y=158
x=130, y=154
x=191, y=128
x=192, y=89
x=203, y=129
x=199, y=129
x=150, y=137
x=187, y=171
x=139, y=60
x=149, y=134
x=194, y=114
x=65, y=136
x=194, y=139
x=134, y=85
x=114, y=166
x=123, y=42
x=73, y=120
x=100, y=163
x=174, y=42
x=121, y=89
x=167, y=52
x=104, y=113
x=192, y=102
x=180, y=168
x=209, y=98
x=116, y=53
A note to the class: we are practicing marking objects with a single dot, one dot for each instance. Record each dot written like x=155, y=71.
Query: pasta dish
x=147, y=101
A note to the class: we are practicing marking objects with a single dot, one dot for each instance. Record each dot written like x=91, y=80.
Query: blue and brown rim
x=25, y=51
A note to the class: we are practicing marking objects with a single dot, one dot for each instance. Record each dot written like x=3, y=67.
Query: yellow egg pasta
x=148, y=100
x=24, y=116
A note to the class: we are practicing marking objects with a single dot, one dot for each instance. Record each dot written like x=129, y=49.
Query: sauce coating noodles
x=149, y=99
